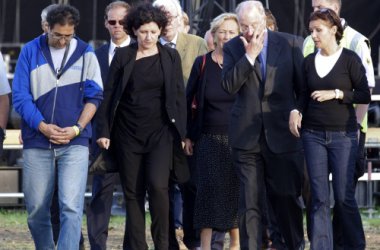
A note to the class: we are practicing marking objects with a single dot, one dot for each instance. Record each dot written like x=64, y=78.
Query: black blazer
x=267, y=109
x=118, y=76
x=175, y=101
x=102, y=55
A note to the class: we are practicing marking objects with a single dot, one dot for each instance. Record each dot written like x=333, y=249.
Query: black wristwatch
x=360, y=127
x=80, y=128
x=2, y=134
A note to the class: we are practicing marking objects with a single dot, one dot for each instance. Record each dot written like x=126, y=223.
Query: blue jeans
x=335, y=152
x=71, y=164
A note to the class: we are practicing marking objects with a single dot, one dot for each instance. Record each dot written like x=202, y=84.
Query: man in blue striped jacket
x=56, y=89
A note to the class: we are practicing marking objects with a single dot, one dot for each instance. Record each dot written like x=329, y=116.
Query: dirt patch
x=18, y=237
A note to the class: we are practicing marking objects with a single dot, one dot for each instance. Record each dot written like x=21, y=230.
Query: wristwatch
x=2, y=133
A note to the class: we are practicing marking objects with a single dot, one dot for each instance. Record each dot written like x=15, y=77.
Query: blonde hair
x=219, y=20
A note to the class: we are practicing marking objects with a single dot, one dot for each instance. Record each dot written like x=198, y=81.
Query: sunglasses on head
x=113, y=22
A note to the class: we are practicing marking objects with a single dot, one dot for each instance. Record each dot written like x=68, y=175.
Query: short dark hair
x=330, y=17
x=142, y=14
x=63, y=14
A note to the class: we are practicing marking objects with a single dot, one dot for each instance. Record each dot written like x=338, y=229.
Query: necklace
x=214, y=56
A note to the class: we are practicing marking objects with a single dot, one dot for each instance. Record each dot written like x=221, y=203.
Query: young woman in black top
x=335, y=79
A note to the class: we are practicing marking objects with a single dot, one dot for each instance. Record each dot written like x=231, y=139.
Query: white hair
x=45, y=11
x=167, y=4
x=256, y=6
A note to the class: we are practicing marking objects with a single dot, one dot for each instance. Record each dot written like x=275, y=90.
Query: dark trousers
x=191, y=237
x=99, y=210
x=359, y=171
x=282, y=174
x=141, y=172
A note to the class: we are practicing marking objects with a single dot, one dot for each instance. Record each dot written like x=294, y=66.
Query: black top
x=140, y=117
x=348, y=75
x=217, y=102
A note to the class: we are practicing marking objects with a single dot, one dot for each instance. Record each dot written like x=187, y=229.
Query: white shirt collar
x=123, y=44
x=163, y=41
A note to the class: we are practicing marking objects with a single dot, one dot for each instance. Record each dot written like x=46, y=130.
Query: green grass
x=12, y=217
x=17, y=217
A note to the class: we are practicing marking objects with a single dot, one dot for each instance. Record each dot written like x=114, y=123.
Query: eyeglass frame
x=59, y=37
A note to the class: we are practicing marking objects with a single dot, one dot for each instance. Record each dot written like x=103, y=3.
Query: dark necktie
x=262, y=66
x=170, y=44
x=257, y=67
x=116, y=48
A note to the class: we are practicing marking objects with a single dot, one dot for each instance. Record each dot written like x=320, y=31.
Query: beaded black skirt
x=216, y=203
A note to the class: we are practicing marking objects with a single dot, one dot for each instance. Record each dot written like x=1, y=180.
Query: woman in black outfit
x=216, y=201
x=142, y=117
x=335, y=79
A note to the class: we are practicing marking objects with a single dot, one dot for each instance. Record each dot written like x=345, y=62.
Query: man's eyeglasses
x=58, y=36
x=113, y=22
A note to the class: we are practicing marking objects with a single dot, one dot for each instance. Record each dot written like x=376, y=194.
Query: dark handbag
x=180, y=172
x=194, y=103
x=104, y=163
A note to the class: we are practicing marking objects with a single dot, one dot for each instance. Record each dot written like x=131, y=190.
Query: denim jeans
x=71, y=164
x=335, y=152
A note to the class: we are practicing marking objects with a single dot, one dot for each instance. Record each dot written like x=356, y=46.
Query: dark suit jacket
x=102, y=55
x=267, y=109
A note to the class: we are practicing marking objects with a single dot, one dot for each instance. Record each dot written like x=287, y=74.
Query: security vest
x=350, y=40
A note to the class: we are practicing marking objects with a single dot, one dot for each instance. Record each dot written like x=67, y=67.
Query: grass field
x=14, y=233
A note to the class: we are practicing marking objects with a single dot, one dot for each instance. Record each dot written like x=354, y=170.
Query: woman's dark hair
x=330, y=17
x=63, y=14
x=142, y=14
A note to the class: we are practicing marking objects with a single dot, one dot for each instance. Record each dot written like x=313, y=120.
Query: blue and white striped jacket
x=38, y=94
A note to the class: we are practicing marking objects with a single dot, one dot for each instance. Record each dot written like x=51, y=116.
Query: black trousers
x=282, y=175
x=141, y=173
x=191, y=237
x=99, y=210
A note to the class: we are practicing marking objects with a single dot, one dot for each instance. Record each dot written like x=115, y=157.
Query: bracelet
x=337, y=93
x=76, y=129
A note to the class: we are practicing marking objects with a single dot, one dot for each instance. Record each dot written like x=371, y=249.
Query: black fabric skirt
x=216, y=203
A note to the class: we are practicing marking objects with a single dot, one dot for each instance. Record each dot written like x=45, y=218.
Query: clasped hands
x=56, y=134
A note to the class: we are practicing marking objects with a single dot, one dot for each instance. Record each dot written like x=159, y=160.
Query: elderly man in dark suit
x=99, y=209
x=264, y=69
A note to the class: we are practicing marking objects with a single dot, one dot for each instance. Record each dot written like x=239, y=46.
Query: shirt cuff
x=296, y=110
x=252, y=62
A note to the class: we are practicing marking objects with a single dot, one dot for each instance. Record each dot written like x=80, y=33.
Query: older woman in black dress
x=216, y=200
x=143, y=115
